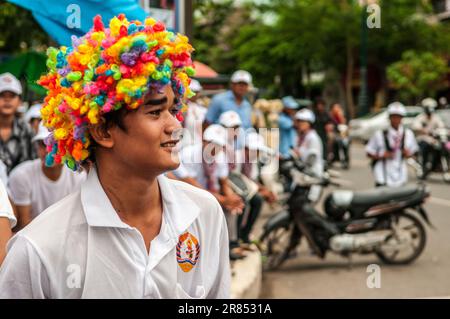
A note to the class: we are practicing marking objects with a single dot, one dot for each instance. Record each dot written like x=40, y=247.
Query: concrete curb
x=247, y=280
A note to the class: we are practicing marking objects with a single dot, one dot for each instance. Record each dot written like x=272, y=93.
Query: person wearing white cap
x=247, y=170
x=424, y=126
x=195, y=114
x=15, y=134
x=7, y=221
x=33, y=117
x=389, y=149
x=231, y=121
x=232, y=100
x=309, y=145
x=288, y=134
x=205, y=165
x=33, y=186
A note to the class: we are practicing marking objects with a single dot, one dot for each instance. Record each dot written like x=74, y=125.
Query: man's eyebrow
x=160, y=101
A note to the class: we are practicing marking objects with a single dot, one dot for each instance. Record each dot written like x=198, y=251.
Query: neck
x=52, y=173
x=238, y=98
x=6, y=121
x=135, y=197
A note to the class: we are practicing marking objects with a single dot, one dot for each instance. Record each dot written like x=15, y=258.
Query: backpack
x=388, y=146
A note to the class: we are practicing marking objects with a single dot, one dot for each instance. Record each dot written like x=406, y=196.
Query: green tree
x=418, y=75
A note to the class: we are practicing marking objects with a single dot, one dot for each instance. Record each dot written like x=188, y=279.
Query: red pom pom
x=180, y=117
x=98, y=23
x=123, y=31
x=121, y=17
x=159, y=27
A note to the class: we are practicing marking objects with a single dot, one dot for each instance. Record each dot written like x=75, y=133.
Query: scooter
x=383, y=221
x=440, y=157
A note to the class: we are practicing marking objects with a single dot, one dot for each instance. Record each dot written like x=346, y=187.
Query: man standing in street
x=390, y=148
x=232, y=100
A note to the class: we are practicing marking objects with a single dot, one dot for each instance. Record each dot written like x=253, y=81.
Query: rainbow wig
x=103, y=71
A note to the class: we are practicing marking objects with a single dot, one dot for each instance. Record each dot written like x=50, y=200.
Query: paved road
x=307, y=276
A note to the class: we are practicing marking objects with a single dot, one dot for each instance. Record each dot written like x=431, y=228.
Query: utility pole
x=363, y=107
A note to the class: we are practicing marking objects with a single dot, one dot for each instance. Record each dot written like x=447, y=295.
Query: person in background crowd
x=424, y=125
x=195, y=115
x=248, y=164
x=337, y=118
x=7, y=221
x=443, y=103
x=232, y=100
x=232, y=123
x=309, y=147
x=323, y=124
x=390, y=148
x=288, y=134
x=33, y=117
x=206, y=164
x=15, y=135
x=34, y=187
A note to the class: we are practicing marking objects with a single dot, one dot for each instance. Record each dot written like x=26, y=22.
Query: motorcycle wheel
x=274, y=246
x=407, y=228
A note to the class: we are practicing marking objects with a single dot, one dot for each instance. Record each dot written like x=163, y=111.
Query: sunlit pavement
x=307, y=276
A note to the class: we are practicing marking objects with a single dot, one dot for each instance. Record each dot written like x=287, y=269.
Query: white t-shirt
x=28, y=185
x=391, y=172
x=3, y=173
x=80, y=248
x=6, y=210
x=192, y=165
x=312, y=145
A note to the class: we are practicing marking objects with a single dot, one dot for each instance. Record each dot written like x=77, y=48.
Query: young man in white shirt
x=33, y=186
x=7, y=221
x=309, y=145
x=390, y=148
x=130, y=232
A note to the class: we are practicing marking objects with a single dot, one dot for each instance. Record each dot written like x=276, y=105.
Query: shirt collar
x=396, y=132
x=180, y=210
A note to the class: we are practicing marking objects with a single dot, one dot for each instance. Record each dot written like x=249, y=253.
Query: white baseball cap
x=215, y=134
x=34, y=112
x=429, y=102
x=396, y=108
x=195, y=86
x=305, y=115
x=9, y=82
x=42, y=133
x=230, y=119
x=255, y=142
x=241, y=76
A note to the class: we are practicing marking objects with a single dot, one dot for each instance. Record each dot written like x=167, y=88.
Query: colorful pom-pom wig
x=105, y=70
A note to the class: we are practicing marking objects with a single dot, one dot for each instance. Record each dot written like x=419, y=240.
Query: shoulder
x=24, y=127
x=57, y=223
x=24, y=169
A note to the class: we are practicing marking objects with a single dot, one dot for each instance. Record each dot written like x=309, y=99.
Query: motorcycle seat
x=383, y=195
x=380, y=195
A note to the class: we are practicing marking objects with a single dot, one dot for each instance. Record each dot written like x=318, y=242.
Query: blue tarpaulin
x=57, y=16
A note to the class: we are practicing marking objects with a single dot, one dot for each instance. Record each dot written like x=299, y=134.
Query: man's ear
x=101, y=134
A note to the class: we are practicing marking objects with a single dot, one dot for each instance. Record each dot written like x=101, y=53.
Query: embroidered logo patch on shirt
x=188, y=251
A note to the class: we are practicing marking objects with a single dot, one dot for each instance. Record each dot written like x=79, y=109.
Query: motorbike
x=384, y=221
x=341, y=146
x=440, y=157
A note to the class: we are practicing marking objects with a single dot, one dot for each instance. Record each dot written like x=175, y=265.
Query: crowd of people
x=220, y=152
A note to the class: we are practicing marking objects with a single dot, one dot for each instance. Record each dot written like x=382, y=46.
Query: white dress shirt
x=80, y=248
x=392, y=172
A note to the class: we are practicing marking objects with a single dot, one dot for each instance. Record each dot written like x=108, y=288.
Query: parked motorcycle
x=440, y=157
x=380, y=221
